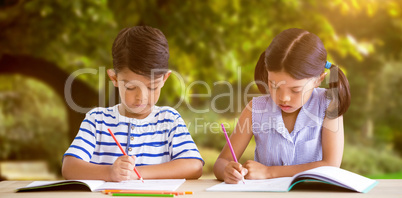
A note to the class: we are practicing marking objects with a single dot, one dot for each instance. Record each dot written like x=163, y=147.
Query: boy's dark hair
x=142, y=49
x=301, y=54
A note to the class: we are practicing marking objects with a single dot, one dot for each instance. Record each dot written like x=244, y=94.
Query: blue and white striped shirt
x=160, y=137
x=275, y=146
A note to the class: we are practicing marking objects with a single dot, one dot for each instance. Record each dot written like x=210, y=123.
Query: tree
x=48, y=40
x=209, y=41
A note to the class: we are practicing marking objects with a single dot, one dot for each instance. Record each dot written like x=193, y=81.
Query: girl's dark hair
x=142, y=49
x=302, y=55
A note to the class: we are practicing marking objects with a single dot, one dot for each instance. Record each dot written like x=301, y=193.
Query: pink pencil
x=230, y=147
x=124, y=152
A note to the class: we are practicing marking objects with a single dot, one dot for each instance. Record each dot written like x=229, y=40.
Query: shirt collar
x=307, y=117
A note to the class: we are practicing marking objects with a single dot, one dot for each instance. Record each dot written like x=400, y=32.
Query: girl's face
x=291, y=94
x=138, y=93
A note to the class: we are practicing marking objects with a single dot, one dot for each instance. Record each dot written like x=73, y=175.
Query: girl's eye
x=293, y=91
x=152, y=89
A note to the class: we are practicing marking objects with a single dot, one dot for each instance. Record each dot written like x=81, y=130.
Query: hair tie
x=328, y=65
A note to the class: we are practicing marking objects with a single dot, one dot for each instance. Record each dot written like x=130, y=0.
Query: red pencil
x=124, y=152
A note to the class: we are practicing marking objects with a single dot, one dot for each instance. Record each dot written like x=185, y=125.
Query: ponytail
x=261, y=75
x=338, y=93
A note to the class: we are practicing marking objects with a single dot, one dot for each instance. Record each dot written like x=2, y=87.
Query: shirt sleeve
x=181, y=144
x=84, y=143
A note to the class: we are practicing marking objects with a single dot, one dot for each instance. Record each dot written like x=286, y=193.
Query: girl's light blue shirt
x=275, y=146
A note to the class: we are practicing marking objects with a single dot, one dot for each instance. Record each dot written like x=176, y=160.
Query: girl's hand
x=123, y=169
x=234, y=172
x=257, y=170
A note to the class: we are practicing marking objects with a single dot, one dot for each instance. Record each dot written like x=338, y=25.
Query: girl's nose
x=284, y=97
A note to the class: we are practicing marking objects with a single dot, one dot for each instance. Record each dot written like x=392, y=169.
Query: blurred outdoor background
x=43, y=42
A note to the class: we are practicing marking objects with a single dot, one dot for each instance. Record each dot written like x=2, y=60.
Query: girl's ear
x=113, y=77
x=320, y=79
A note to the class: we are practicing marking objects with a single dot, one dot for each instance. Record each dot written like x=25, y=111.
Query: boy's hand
x=123, y=169
x=257, y=170
x=234, y=172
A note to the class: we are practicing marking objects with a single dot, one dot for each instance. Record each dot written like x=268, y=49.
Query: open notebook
x=326, y=174
x=99, y=185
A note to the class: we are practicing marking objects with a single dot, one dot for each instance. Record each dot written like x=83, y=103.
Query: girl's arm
x=332, y=151
x=123, y=169
x=225, y=168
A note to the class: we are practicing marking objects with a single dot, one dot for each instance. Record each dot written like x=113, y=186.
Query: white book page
x=347, y=178
x=93, y=184
x=278, y=184
x=159, y=184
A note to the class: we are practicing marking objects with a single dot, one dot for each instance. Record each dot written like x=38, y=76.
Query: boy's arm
x=76, y=159
x=122, y=169
x=74, y=168
x=176, y=169
x=332, y=149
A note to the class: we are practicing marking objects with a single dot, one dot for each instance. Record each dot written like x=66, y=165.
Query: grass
x=397, y=175
x=209, y=155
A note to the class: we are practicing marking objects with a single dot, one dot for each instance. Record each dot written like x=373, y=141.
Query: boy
x=155, y=138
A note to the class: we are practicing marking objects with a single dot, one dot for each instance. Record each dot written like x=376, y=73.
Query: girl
x=297, y=126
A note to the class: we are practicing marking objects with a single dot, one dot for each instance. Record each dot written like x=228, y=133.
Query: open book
x=326, y=174
x=99, y=185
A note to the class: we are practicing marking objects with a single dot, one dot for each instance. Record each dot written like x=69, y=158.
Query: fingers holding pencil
x=123, y=169
x=125, y=154
x=234, y=172
x=230, y=172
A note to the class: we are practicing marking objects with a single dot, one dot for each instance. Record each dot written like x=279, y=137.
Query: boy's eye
x=293, y=91
x=130, y=88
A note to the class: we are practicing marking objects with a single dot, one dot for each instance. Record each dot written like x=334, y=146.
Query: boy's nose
x=140, y=94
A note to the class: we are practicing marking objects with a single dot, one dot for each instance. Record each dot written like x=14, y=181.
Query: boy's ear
x=166, y=76
x=113, y=77
x=320, y=79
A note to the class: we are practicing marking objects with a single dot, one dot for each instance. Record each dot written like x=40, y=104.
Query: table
x=385, y=188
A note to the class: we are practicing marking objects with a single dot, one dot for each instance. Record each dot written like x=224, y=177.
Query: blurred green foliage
x=210, y=41
x=33, y=121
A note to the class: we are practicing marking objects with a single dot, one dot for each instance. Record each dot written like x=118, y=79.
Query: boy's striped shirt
x=160, y=137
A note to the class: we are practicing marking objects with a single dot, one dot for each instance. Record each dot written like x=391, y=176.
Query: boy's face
x=138, y=93
x=291, y=94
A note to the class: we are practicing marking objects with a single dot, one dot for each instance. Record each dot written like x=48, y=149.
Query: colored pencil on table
x=141, y=195
x=231, y=148
x=148, y=192
x=122, y=150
